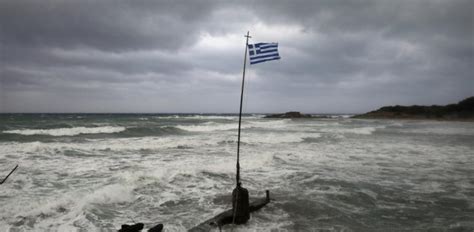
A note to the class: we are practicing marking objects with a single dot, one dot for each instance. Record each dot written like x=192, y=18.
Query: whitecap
x=358, y=130
x=209, y=126
x=68, y=131
x=277, y=138
x=272, y=124
x=114, y=193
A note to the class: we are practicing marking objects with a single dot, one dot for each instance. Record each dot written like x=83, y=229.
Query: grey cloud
x=131, y=62
x=103, y=25
x=342, y=56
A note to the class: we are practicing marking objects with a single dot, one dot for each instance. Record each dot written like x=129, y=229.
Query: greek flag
x=261, y=52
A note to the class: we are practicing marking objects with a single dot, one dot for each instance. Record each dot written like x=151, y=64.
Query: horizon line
x=166, y=113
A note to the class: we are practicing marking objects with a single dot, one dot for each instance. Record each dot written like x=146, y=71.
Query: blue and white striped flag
x=261, y=52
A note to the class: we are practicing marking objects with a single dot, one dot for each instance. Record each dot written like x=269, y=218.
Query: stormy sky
x=187, y=56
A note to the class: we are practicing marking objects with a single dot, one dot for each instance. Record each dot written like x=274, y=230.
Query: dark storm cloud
x=401, y=52
x=186, y=56
x=103, y=25
x=125, y=62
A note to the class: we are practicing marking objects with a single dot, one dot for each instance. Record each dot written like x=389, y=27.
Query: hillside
x=464, y=110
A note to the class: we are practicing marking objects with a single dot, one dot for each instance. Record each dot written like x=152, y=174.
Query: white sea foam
x=52, y=191
x=115, y=193
x=436, y=129
x=69, y=208
x=209, y=126
x=345, y=116
x=359, y=130
x=118, y=144
x=203, y=117
x=68, y=131
x=99, y=146
x=210, y=117
x=271, y=124
x=214, y=126
x=277, y=138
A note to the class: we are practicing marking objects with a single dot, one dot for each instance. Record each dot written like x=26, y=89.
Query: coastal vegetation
x=463, y=110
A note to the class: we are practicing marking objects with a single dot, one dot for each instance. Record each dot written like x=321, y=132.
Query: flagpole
x=9, y=174
x=237, y=176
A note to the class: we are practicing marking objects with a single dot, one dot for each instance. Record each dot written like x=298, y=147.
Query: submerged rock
x=157, y=228
x=132, y=228
x=139, y=227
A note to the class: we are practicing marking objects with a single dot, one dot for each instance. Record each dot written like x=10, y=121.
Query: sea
x=95, y=172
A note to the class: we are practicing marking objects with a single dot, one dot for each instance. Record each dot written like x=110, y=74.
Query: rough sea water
x=85, y=172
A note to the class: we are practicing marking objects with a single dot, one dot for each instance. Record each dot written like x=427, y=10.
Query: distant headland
x=462, y=111
x=291, y=114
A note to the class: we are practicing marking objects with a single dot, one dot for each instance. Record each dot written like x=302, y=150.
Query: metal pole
x=9, y=174
x=237, y=177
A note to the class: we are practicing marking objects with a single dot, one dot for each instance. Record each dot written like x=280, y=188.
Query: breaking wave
x=361, y=130
x=209, y=126
x=213, y=126
x=68, y=131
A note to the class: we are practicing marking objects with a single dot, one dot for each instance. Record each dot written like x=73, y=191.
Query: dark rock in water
x=139, y=227
x=291, y=114
x=132, y=228
x=157, y=228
